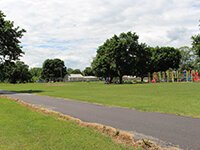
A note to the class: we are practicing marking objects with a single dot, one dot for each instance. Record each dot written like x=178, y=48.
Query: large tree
x=10, y=48
x=117, y=56
x=53, y=70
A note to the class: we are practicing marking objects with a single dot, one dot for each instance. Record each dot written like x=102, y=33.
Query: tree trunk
x=120, y=80
x=142, y=79
x=110, y=81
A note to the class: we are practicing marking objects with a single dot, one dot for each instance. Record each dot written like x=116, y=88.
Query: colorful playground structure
x=175, y=76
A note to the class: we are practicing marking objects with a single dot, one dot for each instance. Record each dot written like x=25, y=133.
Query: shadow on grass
x=22, y=91
x=29, y=91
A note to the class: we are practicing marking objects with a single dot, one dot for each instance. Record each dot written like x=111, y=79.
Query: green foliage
x=18, y=73
x=123, y=55
x=76, y=71
x=53, y=70
x=88, y=71
x=10, y=51
x=10, y=48
x=36, y=74
x=21, y=128
x=73, y=71
x=5, y=70
x=69, y=70
x=101, y=65
x=143, y=61
x=116, y=57
x=188, y=58
x=164, y=58
x=196, y=43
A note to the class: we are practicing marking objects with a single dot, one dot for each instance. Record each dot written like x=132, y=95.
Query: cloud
x=73, y=30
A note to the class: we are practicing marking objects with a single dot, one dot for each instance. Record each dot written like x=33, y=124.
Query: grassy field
x=176, y=98
x=22, y=128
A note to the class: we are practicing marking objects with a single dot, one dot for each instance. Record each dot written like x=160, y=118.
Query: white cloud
x=73, y=30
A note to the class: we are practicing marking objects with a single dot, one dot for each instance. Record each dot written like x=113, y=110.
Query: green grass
x=22, y=128
x=175, y=98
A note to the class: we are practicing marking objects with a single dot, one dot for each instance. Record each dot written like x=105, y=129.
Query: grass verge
x=21, y=128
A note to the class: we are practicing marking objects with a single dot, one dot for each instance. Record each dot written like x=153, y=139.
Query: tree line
x=118, y=56
x=124, y=55
x=53, y=70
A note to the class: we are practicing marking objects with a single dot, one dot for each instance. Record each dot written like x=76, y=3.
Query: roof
x=90, y=77
x=76, y=76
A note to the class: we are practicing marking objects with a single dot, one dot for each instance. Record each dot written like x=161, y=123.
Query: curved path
x=175, y=130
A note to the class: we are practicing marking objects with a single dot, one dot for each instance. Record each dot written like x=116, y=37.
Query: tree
x=76, y=71
x=164, y=58
x=116, y=57
x=36, y=74
x=5, y=70
x=125, y=48
x=143, y=60
x=19, y=73
x=102, y=65
x=88, y=71
x=188, y=58
x=10, y=49
x=69, y=70
x=196, y=43
x=53, y=70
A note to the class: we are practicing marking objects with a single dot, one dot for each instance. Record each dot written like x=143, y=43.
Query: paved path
x=182, y=131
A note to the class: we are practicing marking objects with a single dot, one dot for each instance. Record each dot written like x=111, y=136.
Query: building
x=79, y=78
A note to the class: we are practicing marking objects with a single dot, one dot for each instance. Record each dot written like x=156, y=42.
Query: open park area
x=99, y=75
x=22, y=128
x=173, y=98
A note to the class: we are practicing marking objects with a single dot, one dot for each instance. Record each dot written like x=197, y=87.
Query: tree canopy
x=88, y=71
x=53, y=70
x=10, y=51
x=10, y=48
x=164, y=58
x=188, y=58
x=36, y=74
x=76, y=71
x=124, y=55
x=18, y=73
x=196, y=43
x=116, y=57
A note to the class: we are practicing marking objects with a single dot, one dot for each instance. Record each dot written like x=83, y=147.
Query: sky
x=72, y=30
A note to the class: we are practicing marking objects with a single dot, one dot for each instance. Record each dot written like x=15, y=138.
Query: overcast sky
x=72, y=30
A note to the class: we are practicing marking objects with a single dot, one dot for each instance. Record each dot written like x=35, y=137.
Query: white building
x=79, y=78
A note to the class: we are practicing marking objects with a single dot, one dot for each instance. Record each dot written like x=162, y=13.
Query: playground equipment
x=175, y=76
x=195, y=76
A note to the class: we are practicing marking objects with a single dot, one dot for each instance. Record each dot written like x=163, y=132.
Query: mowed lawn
x=22, y=128
x=176, y=98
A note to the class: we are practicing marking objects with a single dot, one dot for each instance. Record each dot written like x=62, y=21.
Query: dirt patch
x=118, y=136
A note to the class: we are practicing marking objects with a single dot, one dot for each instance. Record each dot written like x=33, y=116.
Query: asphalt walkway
x=172, y=129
